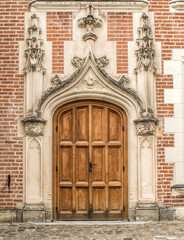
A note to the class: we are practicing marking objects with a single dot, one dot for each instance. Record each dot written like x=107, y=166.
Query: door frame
x=125, y=152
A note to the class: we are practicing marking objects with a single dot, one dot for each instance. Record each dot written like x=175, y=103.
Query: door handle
x=90, y=166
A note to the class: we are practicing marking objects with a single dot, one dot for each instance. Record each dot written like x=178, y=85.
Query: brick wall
x=59, y=29
x=11, y=101
x=120, y=30
x=169, y=30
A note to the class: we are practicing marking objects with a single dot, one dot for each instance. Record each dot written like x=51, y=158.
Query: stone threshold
x=75, y=223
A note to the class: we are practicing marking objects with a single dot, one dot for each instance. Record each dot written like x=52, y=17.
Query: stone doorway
x=90, y=162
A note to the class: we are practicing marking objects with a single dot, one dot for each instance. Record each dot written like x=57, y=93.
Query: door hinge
x=56, y=168
x=56, y=209
x=123, y=168
x=123, y=208
x=56, y=128
x=123, y=128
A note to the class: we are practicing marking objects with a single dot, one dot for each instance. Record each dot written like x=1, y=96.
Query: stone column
x=34, y=207
x=146, y=208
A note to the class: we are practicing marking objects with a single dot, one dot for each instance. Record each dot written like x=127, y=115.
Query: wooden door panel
x=90, y=160
x=98, y=164
x=66, y=126
x=66, y=164
x=98, y=123
x=114, y=163
x=82, y=123
x=65, y=200
x=82, y=164
x=115, y=201
x=82, y=199
x=98, y=198
x=114, y=126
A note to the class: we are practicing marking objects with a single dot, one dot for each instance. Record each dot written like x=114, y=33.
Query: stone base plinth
x=34, y=213
x=147, y=211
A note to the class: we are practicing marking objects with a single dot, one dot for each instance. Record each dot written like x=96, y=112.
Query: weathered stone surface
x=33, y=216
x=34, y=213
x=94, y=231
x=146, y=212
x=7, y=216
x=167, y=214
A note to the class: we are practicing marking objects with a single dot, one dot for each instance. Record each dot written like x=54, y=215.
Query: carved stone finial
x=102, y=61
x=34, y=54
x=34, y=126
x=77, y=61
x=123, y=81
x=146, y=125
x=55, y=81
x=89, y=22
x=145, y=53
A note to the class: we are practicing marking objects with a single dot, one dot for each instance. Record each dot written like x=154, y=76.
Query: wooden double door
x=90, y=162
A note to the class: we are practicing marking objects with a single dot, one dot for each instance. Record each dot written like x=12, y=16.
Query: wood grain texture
x=90, y=133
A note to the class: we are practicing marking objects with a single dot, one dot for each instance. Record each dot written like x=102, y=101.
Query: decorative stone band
x=178, y=189
x=146, y=125
x=177, y=6
x=34, y=126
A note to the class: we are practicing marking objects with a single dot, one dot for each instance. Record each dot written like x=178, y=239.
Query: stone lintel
x=74, y=6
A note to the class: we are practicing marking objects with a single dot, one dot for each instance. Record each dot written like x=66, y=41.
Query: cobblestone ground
x=93, y=231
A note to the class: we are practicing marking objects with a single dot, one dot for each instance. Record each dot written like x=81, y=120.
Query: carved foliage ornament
x=145, y=53
x=34, y=129
x=102, y=61
x=146, y=125
x=34, y=54
x=77, y=61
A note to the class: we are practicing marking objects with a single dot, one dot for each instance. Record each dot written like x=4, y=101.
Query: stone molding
x=91, y=58
x=177, y=6
x=75, y=6
x=34, y=126
x=178, y=189
x=146, y=126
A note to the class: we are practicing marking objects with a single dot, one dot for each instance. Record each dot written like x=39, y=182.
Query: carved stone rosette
x=145, y=53
x=146, y=126
x=34, y=126
x=34, y=54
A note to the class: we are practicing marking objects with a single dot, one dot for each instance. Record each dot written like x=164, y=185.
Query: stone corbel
x=146, y=125
x=34, y=126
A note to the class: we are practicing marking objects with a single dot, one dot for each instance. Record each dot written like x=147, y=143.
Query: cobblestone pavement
x=93, y=231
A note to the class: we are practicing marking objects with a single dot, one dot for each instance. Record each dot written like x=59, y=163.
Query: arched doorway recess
x=90, y=158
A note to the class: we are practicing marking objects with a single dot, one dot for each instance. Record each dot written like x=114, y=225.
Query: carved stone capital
x=146, y=126
x=34, y=126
